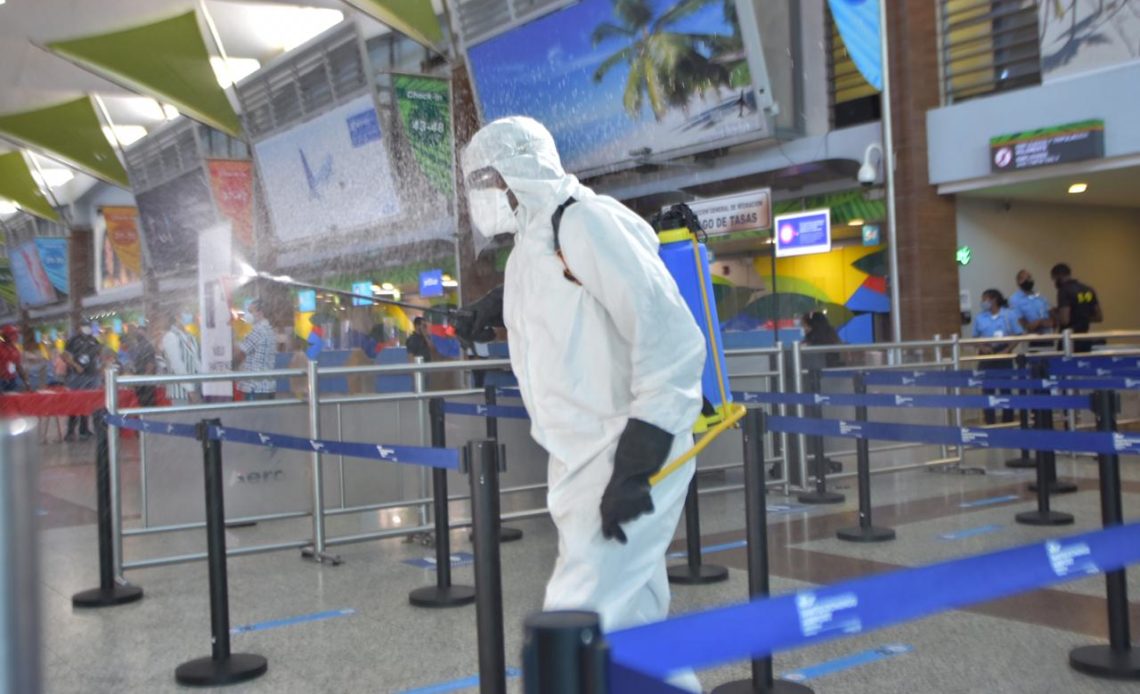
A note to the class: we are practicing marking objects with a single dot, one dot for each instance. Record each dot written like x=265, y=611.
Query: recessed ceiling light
x=1078, y=188
x=857, y=222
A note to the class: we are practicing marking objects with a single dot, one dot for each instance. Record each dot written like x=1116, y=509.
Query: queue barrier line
x=1110, y=443
x=880, y=400
x=444, y=458
x=927, y=379
x=495, y=411
x=759, y=628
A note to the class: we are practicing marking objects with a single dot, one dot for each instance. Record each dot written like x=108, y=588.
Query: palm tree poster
x=623, y=81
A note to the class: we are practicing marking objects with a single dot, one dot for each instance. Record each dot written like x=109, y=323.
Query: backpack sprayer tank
x=687, y=260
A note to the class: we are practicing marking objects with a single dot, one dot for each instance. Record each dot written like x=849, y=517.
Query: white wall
x=1102, y=245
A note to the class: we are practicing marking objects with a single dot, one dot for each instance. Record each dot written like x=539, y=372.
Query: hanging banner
x=53, y=257
x=858, y=23
x=214, y=274
x=17, y=185
x=335, y=162
x=232, y=183
x=32, y=283
x=171, y=216
x=416, y=20
x=425, y=112
x=71, y=132
x=119, y=260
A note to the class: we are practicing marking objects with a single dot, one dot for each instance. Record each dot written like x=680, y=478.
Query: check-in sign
x=751, y=211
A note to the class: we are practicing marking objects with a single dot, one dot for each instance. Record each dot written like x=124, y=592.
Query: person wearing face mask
x=996, y=320
x=257, y=352
x=609, y=362
x=1032, y=309
x=82, y=353
x=11, y=361
x=1078, y=306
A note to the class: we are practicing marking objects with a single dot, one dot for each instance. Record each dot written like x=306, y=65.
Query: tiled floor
x=385, y=645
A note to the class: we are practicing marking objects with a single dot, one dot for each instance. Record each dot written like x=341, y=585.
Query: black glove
x=641, y=451
x=477, y=321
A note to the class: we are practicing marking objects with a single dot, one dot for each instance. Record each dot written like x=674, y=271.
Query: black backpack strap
x=556, y=222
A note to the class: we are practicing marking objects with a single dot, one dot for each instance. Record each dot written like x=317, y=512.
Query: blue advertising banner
x=858, y=24
x=871, y=236
x=364, y=289
x=53, y=256
x=431, y=283
x=32, y=284
x=803, y=233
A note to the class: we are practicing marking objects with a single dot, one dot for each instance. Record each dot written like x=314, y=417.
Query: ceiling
x=1109, y=188
x=31, y=78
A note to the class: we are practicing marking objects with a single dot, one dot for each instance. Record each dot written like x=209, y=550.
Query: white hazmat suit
x=590, y=355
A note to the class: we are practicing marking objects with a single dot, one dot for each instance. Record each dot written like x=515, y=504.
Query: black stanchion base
x=1048, y=518
x=1021, y=463
x=322, y=558
x=434, y=596
x=1103, y=661
x=207, y=672
x=241, y=524
x=704, y=574
x=1056, y=487
x=861, y=534
x=778, y=687
x=119, y=594
x=821, y=498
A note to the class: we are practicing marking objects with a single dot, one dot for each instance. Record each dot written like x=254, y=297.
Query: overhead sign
x=307, y=300
x=751, y=211
x=362, y=289
x=1057, y=145
x=871, y=235
x=803, y=233
x=431, y=283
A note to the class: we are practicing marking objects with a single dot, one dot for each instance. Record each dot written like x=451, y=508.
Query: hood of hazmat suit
x=588, y=356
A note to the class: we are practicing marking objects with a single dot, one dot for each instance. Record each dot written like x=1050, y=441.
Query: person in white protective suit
x=609, y=362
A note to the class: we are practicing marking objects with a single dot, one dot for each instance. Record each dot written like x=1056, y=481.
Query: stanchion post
x=801, y=440
x=781, y=387
x=221, y=667
x=820, y=495
x=483, y=460
x=111, y=400
x=865, y=531
x=1023, y=460
x=1117, y=660
x=1044, y=515
x=491, y=397
x=110, y=592
x=694, y=571
x=316, y=551
x=443, y=593
x=1055, y=486
x=756, y=529
x=21, y=647
x=564, y=653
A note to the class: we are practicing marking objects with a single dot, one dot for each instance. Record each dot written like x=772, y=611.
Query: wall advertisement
x=119, y=260
x=231, y=181
x=172, y=215
x=425, y=112
x=53, y=252
x=330, y=175
x=214, y=274
x=33, y=286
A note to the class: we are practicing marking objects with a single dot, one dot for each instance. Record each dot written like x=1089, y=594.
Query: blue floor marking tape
x=457, y=559
x=290, y=621
x=990, y=501
x=970, y=532
x=847, y=662
x=456, y=685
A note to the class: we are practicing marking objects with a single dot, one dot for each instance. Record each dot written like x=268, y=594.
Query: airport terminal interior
x=358, y=345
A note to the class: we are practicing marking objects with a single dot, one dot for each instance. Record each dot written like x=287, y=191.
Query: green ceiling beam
x=167, y=60
x=413, y=18
x=18, y=185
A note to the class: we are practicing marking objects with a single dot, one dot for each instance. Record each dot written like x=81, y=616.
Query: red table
x=60, y=403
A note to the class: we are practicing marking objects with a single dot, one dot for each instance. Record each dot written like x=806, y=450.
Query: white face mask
x=491, y=212
x=85, y=329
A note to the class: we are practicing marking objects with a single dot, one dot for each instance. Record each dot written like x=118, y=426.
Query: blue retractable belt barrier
x=936, y=379
x=446, y=458
x=498, y=411
x=974, y=437
x=509, y=392
x=992, y=402
x=962, y=373
x=759, y=628
x=1092, y=363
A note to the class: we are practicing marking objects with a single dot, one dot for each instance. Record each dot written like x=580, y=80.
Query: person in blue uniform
x=1030, y=307
x=996, y=319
